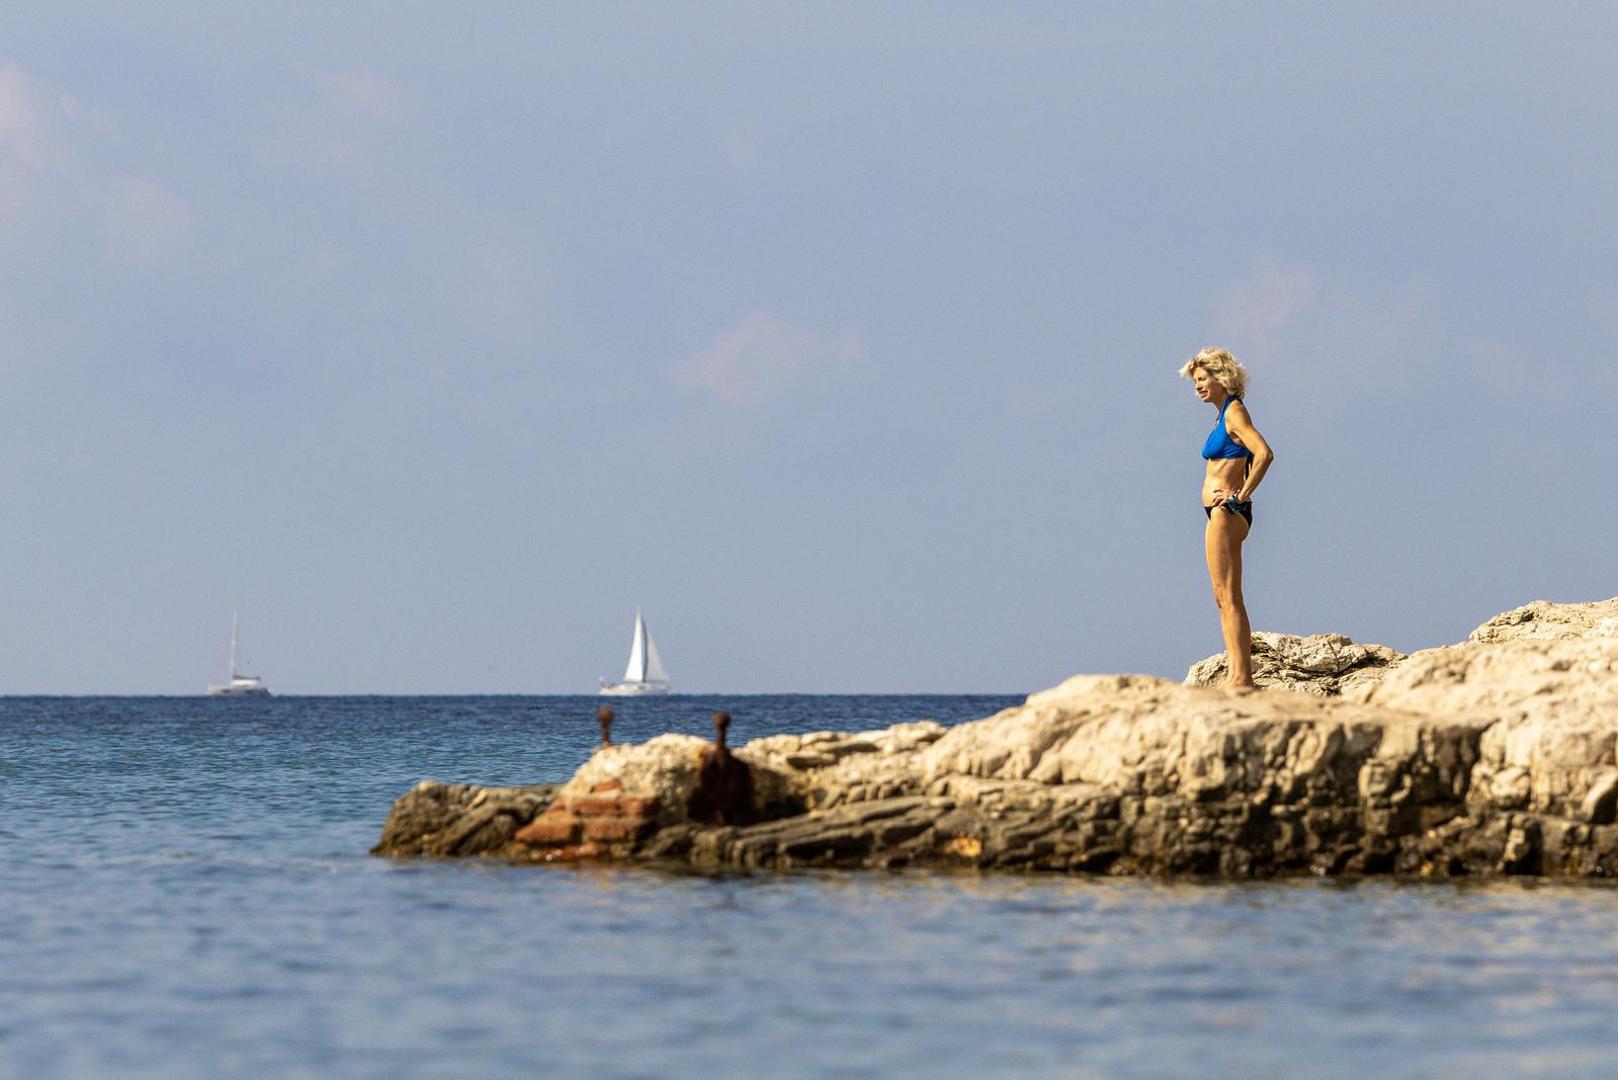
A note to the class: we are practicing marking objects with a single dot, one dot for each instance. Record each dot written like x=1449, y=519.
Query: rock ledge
x=1492, y=756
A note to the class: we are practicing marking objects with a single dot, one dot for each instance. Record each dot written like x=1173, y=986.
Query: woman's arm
x=1240, y=425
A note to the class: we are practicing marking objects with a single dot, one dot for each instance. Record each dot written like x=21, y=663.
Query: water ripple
x=186, y=894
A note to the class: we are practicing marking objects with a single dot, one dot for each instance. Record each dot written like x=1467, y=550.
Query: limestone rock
x=1329, y=664
x=1545, y=621
x=1320, y=664
x=1550, y=706
x=825, y=769
x=823, y=749
x=1498, y=755
x=663, y=769
x=627, y=792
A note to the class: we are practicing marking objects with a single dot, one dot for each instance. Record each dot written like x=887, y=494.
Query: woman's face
x=1205, y=383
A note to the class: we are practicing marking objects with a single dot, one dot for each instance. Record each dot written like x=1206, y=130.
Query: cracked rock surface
x=1492, y=756
x=1321, y=664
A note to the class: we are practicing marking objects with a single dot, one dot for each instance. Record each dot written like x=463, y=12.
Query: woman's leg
x=1224, y=537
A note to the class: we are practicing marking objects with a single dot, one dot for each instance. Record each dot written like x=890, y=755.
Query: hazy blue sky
x=842, y=337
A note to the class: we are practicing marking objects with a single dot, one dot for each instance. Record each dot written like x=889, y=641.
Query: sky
x=840, y=337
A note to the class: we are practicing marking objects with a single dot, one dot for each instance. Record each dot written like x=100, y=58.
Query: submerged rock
x=433, y=818
x=1494, y=756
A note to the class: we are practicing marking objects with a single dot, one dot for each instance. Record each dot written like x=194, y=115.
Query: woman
x=1238, y=458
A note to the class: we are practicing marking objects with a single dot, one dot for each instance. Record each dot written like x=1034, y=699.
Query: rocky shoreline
x=1489, y=757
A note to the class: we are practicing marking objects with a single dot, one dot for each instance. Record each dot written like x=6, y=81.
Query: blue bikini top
x=1219, y=443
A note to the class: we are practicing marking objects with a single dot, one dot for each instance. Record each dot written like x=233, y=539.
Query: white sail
x=645, y=673
x=636, y=671
x=238, y=685
x=654, y=663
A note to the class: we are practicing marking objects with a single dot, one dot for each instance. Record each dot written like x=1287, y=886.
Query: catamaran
x=239, y=685
x=645, y=674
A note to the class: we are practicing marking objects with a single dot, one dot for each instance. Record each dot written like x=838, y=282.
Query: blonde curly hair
x=1225, y=369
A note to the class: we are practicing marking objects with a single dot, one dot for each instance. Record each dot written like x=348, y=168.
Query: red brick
x=638, y=805
x=593, y=805
x=616, y=830
x=549, y=829
x=612, y=805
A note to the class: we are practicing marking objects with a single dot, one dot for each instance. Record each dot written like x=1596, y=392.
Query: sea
x=185, y=891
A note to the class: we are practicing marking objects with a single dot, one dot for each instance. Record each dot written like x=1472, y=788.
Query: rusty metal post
x=723, y=794
x=721, y=724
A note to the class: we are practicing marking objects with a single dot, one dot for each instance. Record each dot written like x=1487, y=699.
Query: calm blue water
x=184, y=891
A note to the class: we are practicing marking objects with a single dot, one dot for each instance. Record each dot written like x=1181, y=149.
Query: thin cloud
x=56, y=168
x=29, y=118
x=145, y=221
x=762, y=357
x=362, y=93
x=1365, y=341
x=743, y=148
x=335, y=126
x=1258, y=307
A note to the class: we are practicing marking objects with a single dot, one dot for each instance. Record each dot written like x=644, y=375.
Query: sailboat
x=645, y=674
x=239, y=685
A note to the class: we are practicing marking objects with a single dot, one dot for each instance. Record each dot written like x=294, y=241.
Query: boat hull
x=239, y=689
x=633, y=689
x=238, y=685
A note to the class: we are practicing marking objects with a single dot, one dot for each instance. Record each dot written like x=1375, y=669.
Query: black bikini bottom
x=1245, y=509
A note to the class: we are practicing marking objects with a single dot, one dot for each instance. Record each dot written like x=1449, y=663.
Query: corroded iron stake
x=724, y=790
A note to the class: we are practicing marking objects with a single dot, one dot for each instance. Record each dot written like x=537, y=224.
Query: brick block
x=616, y=830
x=612, y=805
x=637, y=805
x=593, y=805
x=549, y=829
